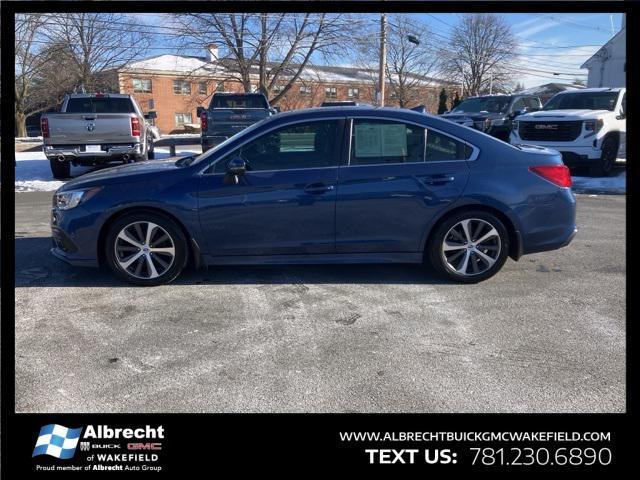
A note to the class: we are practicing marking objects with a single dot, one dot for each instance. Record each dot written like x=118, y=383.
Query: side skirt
x=330, y=258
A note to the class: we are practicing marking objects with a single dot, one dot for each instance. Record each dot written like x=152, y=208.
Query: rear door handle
x=318, y=188
x=440, y=179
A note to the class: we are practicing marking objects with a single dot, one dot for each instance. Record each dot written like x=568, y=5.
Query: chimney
x=212, y=52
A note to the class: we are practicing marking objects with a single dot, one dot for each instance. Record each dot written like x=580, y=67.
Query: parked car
x=230, y=113
x=96, y=128
x=492, y=114
x=323, y=185
x=588, y=127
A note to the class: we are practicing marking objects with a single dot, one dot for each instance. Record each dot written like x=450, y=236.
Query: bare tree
x=276, y=47
x=412, y=60
x=480, y=50
x=28, y=64
x=96, y=42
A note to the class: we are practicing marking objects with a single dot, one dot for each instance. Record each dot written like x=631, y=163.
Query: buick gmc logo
x=546, y=126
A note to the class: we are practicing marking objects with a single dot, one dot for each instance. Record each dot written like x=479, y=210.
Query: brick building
x=174, y=86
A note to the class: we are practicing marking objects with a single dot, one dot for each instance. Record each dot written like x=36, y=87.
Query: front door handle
x=439, y=179
x=317, y=188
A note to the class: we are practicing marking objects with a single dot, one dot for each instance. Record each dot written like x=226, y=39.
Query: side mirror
x=236, y=166
x=621, y=116
x=521, y=111
x=151, y=115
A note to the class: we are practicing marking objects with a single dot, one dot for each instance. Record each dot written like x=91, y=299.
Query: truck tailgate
x=89, y=128
x=227, y=121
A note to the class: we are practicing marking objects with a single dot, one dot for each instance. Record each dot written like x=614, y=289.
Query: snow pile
x=604, y=185
x=33, y=173
x=175, y=63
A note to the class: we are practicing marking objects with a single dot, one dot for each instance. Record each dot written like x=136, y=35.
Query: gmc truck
x=230, y=113
x=588, y=127
x=96, y=128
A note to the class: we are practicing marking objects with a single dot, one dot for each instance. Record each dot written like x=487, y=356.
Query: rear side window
x=441, y=147
x=532, y=102
x=100, y=105
x=375, y=142
x=304, y=145
x=238, y=101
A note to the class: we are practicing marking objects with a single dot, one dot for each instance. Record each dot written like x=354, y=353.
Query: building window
x=151, y=103
x=202, y=88
x=304, y=90
x=182, y=118
x=254, y=88
x=277, y=89
x=141, y=85
x=181, y=87
x=331, y=92
x=220, y=87
x=353, y=93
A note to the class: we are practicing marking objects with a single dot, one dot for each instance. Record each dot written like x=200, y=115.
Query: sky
x=549, y=42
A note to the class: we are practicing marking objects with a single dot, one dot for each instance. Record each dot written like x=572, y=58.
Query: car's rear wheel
x=60, y=170
x=146, y=249
x=469, y=247
x=607, y=161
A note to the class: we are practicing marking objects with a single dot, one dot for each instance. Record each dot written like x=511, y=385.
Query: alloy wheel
x=144, y=250
x=471, y=247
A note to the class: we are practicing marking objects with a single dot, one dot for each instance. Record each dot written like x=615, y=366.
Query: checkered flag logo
x=57, y=441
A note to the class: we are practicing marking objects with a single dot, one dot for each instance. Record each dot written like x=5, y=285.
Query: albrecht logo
x=57, y=441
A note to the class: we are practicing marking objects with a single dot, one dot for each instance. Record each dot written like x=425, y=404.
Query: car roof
x=98, y=94
x=587, y=90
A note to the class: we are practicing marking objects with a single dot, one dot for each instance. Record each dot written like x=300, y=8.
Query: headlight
x=593, y=126
x=72, y=198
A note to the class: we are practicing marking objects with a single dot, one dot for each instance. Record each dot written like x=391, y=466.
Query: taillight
x=135, y=126
x=557, y=174
x=203, y=121
x=44, y=127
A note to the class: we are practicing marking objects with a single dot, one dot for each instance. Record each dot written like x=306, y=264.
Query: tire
x=607, y=162
x=150, y=267
x=150, y=149
x=60, y=170
x=482, y=260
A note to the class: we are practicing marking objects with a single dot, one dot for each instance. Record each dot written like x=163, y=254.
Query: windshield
x=99, y=105
x=583, y=101
x=238, y=101
x=483, y=104
x=233, y=138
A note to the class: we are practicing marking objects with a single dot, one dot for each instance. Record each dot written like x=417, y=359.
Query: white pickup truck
x=588, y=127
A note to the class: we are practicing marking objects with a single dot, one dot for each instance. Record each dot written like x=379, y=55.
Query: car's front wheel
x=607, y=161
x=145, y=248
x=469, y=247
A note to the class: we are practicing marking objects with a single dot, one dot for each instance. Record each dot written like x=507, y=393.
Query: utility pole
x=383, y=58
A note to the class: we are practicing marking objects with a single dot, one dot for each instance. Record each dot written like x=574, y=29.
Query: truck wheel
x=60, y=170
x=150, y=152
x=607, y=161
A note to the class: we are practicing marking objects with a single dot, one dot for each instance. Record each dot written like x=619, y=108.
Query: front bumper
x=73, y=237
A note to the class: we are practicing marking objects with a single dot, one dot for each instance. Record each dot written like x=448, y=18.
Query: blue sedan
x=325, y=185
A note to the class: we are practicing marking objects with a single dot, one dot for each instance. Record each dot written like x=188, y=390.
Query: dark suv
x=493, y=114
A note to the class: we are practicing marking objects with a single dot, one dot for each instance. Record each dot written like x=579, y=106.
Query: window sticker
x=380, y=140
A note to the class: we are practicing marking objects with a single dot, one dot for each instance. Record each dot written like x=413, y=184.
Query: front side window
x=142, y=85
x=182, y=118
x=181, y=87
x=441, y=147
x=304, y=145
x=518, y=105
x=375, y=142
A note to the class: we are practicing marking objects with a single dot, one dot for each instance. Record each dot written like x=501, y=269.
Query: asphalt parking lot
x=547, y=334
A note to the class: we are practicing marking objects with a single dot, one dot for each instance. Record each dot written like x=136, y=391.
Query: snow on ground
x=33, y=173
x=615, y=184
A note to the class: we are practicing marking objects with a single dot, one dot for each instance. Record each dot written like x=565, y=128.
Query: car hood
x=120, y=172
x=577, y=114
x=472, y=115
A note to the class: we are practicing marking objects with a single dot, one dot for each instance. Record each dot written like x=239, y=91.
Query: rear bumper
x=77, y=153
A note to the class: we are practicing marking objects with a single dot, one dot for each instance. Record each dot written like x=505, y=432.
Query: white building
x=608, y=66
